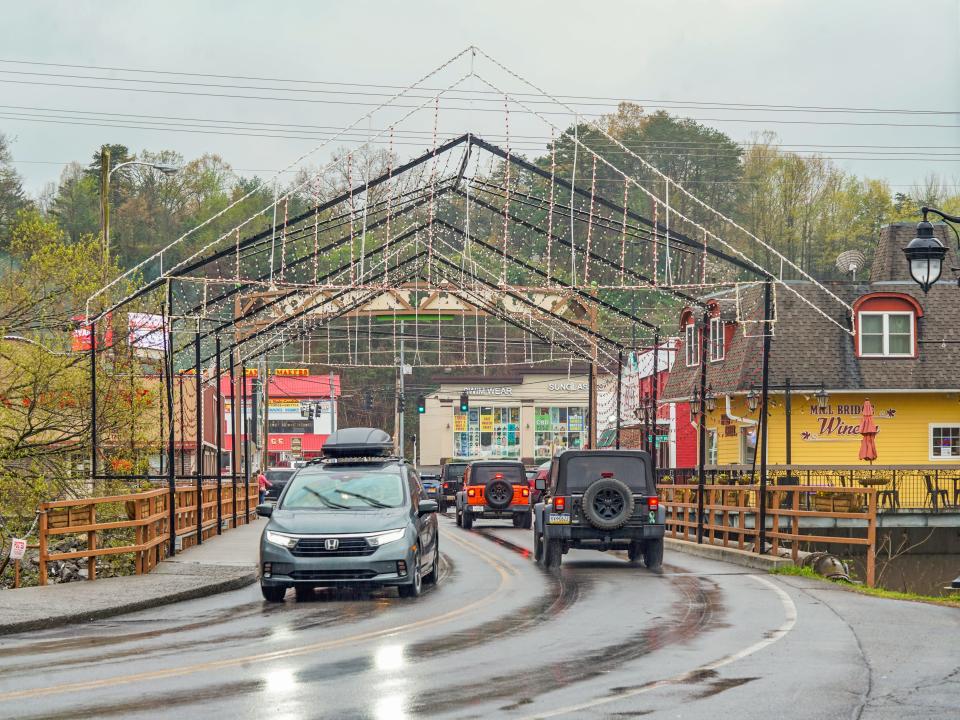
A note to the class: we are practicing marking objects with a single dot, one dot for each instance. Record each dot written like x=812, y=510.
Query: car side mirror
x=540, y=484
x=427, y=506
x=264, y=510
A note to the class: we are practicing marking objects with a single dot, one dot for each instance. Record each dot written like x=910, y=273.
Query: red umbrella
x=868, y=432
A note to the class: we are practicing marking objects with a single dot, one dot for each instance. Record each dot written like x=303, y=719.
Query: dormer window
x=691, y=346
x=886, y=325
x=717, y=344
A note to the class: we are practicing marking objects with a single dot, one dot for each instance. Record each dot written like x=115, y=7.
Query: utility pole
x=105, y=205
x=333, y=407
x=399, y=395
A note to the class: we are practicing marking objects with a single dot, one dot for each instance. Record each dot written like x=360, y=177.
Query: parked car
x=600, y=500
x=278, y=479
x=431, y=485
x=451, y=480
x=357, y=516
x=542, y=473
x=494, y=490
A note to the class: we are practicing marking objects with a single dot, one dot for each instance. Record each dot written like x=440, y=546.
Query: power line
x=497, y=96
x=274, y=98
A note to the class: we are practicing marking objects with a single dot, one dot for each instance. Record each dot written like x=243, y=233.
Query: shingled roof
x=808, y=348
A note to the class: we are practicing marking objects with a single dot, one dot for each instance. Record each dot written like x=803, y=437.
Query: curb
x=214, y=588
x=726, y=554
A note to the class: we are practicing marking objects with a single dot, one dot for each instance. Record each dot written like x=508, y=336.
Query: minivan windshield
x=354, y=488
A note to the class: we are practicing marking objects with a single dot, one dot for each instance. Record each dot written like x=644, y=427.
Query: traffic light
x=401, y=403
x=368, y=400
x=421, y=404
x=464, y=402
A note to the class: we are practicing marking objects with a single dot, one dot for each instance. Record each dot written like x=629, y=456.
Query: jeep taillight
x=471, y=492
x=653, y=503
x=560, y=504
x=606, y=474
x=498, y=476
x=526, y=492
x=446, y=486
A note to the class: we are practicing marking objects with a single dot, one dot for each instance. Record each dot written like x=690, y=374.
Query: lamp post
x=105, y=173
x=925, y=253
x=788, y=387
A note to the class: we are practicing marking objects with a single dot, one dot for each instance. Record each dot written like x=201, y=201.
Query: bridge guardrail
x=727, y=508
x=147, y=515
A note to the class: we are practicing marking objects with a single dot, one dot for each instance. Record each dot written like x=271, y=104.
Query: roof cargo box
x=358, y=442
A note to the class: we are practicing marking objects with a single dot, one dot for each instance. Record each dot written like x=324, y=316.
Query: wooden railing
x=147, y=514
x=731, y=516
x=932, y=488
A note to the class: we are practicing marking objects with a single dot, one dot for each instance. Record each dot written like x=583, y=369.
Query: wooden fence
x=731, y=516
x=147, y=514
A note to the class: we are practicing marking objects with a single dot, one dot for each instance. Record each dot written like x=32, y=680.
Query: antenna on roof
x=849, y=261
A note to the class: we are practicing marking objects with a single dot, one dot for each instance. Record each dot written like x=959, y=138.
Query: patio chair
x=890, y=496
x=934, y=493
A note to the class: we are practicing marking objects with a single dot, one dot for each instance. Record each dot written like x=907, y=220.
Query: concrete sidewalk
x=224, y=562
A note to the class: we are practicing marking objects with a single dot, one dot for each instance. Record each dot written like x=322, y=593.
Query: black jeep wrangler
x=600, y=500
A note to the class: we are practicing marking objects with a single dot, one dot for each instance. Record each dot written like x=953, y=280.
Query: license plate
x=559, y=519
x=477, y=508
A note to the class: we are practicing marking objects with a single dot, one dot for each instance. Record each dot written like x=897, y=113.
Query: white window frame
x=691, y=345
x=930, y=429
x=713, y=446
x=718, y=348
x=885, y=314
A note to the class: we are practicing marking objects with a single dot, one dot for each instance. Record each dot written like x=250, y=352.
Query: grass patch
x=864, y=590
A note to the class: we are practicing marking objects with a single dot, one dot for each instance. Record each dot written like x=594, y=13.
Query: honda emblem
x=331, y=544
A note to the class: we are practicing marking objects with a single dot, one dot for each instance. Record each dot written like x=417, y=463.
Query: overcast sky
x=866, y=54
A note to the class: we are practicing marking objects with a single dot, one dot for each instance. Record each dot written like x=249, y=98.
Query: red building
x=301, y=414
x=676, y=443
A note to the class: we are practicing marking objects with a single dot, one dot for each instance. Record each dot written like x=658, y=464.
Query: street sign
x=18, y=549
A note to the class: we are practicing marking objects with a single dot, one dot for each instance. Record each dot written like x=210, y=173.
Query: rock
x=69, y=573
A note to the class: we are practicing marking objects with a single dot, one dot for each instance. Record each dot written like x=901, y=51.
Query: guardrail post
x=43, y=545
x=92, y=545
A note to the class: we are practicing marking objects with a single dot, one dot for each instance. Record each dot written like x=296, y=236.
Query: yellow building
x=882, y=340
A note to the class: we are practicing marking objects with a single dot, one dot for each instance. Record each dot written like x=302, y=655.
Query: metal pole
x=246, y=443
x=702, y=427
x=235, y=432
x=171, y=469
x=591, y=408
x=219, y=420
x=198, y=436
x=333, y=405
x=265, y=385
x=764, y=399
x=93, y=400
x=619, y=392
x=105, y=205
x=400, y=413
x=788, y=410
x=655, y=398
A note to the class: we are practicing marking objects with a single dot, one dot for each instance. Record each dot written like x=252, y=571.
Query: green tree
x=12, y=196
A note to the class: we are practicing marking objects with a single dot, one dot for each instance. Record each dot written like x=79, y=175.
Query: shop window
x=557, y=429
x=691, y=346
x=717, y=348
x=944, y=442
x=712, y=447
x=748, y=445
x=487, y=432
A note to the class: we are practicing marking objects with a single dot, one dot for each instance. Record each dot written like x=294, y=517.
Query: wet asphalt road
x=501, y=638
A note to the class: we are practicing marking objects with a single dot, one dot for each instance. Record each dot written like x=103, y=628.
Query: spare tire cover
x=499, y=494
x=608, y=504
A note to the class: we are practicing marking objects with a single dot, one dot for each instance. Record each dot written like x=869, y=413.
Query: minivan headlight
x=385, y=537
x=275, y=538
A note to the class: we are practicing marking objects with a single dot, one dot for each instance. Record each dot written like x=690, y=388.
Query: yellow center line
x=504, y=571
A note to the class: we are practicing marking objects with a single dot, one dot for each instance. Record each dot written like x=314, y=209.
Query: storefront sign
x=506, y=391
x=486, y=423
x=291, y=372
x=840, y=422
x=460, y=422
x=567, y=387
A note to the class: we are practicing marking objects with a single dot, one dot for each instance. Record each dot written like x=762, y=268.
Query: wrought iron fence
x=932, y=488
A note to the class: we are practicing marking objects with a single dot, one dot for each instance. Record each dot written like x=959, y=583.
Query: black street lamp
x=925, y=253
